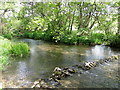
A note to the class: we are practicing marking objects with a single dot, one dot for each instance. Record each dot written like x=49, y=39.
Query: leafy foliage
x=115, y=41
x=8, y=36
x=56, y=22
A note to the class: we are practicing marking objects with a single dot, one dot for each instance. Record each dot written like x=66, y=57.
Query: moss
x=57, y=72
x=116, y=57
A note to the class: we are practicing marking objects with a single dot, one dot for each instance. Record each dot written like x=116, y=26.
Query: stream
x=45, y=56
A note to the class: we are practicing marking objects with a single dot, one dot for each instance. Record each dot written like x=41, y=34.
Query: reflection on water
x=45, y=57
x=99, y=52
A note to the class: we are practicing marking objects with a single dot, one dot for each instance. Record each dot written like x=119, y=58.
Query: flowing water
x=45, y=56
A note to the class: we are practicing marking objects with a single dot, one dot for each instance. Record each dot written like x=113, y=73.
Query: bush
x=38, y=35
x=5, y=46
x=8, y=48
x=28, y=35
x=48, y=37
x=8, y=36
x=99, y=36
x=69, y=39
x=19, y=49
x=115, y=41
x=85, y=40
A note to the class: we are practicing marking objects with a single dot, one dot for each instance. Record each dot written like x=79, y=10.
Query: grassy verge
x=75, y=39
x=8, y=48
x=70, y=39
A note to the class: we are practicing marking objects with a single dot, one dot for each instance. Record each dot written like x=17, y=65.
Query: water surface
x=45, y=56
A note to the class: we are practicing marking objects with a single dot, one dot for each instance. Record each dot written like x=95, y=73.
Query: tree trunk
x=72, y=22
x=80, y=16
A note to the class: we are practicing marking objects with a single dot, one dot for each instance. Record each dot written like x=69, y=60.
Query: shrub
x=28, y=35
x=48, y=37
x=5, y=46
x=99, y=36
x=8, y=36
x=98, y=41
x=8, y=48
x=85, y=40
x=115, y=41
x=19, y=49
x=69, y=39
x=38, y=35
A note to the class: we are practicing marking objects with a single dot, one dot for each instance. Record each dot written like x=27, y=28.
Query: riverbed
x=45, y=56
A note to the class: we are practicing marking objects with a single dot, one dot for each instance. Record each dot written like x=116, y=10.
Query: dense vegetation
x=71, y=23
x=8, y=48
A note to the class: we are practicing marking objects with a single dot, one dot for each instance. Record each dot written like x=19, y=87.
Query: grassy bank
x=74, y=38
x=8, y=49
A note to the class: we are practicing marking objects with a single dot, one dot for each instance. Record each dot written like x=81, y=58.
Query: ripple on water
x=46, y=56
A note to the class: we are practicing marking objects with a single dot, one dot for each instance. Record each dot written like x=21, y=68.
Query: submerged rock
x=65, y=68
x=41, y=84
x=71, y=70
x=58, y=73
x=57, y=69
x=116, y=57
x=66, y=73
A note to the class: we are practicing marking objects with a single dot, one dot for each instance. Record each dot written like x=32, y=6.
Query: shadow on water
x=46, y=56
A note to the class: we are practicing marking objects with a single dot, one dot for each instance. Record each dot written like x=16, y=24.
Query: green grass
x=74, y=38
x=5, y=46
x=8, y=48
x=19, y=49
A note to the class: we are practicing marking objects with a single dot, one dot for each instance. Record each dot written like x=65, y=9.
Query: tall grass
x=8, y=48
x=5, y=46
x=19, y=49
